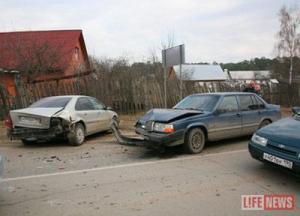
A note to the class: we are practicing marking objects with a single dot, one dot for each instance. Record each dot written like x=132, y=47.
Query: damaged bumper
x=34, y=133
x=161, y=139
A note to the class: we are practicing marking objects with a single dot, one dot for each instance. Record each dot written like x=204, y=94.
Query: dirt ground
x=45, y=157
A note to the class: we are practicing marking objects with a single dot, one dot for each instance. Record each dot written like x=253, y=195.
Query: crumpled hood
x=285, y=131
x=37, y=111
x=168, y=115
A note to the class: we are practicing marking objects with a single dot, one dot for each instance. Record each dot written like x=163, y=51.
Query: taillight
x=8, y=122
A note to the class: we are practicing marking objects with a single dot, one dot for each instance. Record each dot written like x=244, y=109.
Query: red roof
x=16, y=46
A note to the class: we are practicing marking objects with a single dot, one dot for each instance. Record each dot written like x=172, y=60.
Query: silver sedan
x=71, y=116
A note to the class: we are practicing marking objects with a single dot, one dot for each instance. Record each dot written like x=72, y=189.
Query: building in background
x=198, y=73
x=38, y=56
x=261, y=77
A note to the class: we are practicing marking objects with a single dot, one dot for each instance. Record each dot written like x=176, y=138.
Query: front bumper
x=161, y=139
x=34, y=133
x=257, y=152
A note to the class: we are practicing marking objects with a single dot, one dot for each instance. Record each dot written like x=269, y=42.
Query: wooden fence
x=126, y=94
x=4, y=102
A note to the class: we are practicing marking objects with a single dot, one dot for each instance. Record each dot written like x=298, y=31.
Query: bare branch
x=289, y=35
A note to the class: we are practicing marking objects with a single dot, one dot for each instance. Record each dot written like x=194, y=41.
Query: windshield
x=198, y=102
x=52, y=102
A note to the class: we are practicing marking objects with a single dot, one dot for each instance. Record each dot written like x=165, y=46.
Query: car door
x=250, y=113
x=85, y=110
x=261, y=108
x=103, y=116
x=227, y=119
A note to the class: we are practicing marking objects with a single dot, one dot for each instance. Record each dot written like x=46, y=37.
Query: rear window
x=84, y=104
x=52, y=102
x=260, y=103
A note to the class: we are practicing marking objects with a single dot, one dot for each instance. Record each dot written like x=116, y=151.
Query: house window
x=76, y=53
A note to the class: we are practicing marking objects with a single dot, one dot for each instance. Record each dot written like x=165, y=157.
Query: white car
x=70, y=116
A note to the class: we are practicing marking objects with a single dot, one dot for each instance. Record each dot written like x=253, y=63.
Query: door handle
x=85, y=114
x=238, y=114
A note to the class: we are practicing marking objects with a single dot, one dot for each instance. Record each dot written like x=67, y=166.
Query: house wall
x=171, y=74
x=8, y=82
x=78, y=60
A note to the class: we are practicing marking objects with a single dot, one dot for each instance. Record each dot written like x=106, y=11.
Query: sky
x=214, y=30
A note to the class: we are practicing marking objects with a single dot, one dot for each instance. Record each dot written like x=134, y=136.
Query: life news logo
x=268, y=202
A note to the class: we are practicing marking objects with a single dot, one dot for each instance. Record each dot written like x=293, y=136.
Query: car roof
x=64, y=96
x=226, y=93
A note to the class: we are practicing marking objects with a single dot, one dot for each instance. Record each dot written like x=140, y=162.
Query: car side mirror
x=108, y=108
x=295, y=110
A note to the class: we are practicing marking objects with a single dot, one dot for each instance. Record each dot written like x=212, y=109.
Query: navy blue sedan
x=206, y=117
x=279, y=143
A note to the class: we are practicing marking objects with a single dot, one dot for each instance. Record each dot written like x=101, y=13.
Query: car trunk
x=33, y=117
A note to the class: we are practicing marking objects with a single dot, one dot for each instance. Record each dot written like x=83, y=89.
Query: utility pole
x=182, y=60
x=180, y=71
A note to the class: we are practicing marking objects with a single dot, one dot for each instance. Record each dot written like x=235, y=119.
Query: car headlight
x=259, y=140
x=165, y=128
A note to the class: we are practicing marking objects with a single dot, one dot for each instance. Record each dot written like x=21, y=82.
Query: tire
x=76, y=138
x=28, y=142
x=194, y=141
x=264, y=123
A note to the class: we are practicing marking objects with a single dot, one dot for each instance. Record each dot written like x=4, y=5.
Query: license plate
x=29, y=120
x=277, y=160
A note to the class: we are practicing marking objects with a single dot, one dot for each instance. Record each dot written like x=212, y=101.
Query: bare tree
x=170, y=42
x=153, y=55
x=289, y=36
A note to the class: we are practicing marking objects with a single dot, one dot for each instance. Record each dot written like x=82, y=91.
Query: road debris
x=124, y=140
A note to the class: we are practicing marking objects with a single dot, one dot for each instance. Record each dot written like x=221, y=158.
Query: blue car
x=279, y=143
x=206, y=117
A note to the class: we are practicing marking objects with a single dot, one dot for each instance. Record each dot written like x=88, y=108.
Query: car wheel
x=76, y=137
x=28, y=142
x=195, y=141
x=264, y=123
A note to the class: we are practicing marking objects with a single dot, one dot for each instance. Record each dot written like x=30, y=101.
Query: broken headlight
x=55, y=121
x=161, y=127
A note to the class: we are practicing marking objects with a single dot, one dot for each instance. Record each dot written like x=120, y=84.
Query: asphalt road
x=104, y=178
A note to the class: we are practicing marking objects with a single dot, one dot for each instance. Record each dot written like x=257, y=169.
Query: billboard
x=173, y=56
